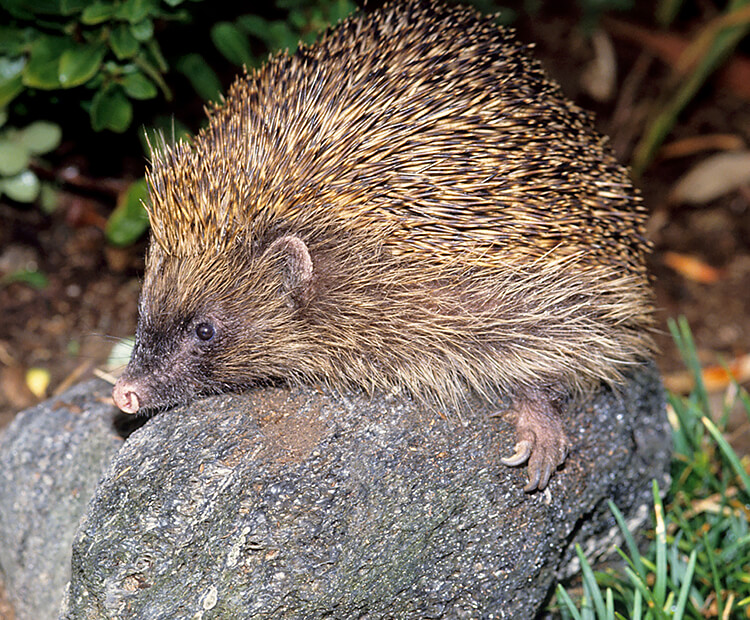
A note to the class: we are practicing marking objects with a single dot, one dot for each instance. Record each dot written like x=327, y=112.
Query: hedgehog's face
x=213, y=323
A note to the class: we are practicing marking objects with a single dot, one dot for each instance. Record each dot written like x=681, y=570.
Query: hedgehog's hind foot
x=541, y=439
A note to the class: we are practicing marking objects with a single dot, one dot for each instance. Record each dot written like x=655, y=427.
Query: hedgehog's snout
x=125, y=395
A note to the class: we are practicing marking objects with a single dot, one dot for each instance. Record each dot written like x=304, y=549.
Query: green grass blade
x=635, y=555
x=714, y=576
x=590, y=585
x=640, y=586
x=745, y=398
x=700, y=553
x=683, y=338
x=687, y=582
x=660, y=584
x=666, y=11
x=570, y=606
x=685, y=439
x=728, y=453
x=637, y=602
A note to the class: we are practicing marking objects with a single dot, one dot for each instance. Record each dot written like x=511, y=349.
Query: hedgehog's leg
x=541, y=438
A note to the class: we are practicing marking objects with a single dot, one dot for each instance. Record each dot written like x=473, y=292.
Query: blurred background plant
x=17, y=146
x=93, y=65
x=708, y=51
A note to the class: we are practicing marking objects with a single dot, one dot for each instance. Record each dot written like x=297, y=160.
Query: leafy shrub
x=105, y=49
x=16, y=148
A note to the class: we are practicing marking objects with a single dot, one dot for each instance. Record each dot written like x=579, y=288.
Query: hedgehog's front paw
x=541, y=441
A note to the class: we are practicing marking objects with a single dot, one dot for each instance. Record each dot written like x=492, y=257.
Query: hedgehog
x=408, y=205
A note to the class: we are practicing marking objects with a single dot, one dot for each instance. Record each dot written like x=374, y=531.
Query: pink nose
x=125, y=397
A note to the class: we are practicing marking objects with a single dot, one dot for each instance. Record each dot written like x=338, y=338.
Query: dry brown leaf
x=715, y=378
x=692, y=268
x=14, y=389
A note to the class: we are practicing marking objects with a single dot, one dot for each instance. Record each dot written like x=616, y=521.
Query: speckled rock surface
x=51, y=459
x=300, y=504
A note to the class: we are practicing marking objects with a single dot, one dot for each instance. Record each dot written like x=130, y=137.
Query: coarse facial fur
x=408, y=204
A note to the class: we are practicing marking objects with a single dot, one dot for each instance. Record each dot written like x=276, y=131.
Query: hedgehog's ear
x=297, y=267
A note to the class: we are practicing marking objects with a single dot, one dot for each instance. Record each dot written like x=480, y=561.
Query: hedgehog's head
x=216, y=321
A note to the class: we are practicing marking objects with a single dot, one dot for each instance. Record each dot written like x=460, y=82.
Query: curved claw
x=534, y=475
x=521, y=455
x=539, y=477
x=548, y=470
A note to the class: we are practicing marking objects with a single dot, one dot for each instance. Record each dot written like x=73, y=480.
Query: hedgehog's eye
x=204, y=331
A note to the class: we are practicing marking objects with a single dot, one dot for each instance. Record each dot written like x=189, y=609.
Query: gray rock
x=51, y=459
x=298, y=504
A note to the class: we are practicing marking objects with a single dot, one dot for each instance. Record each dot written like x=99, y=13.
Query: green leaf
x=570, y=606
x=9, y=89
x=275, y=34
x=155, y=58
x=203, y=79
x=48, y=198
x=122, y=42
x=35, y=279
x=138, y=86
x=135, y=11
x=152, y=72
x=232, y=43
x=679, y=611
x=254, y=25
x=129, y=220
x=143, y=30
x=14, y=157
x=40, y=137
x=46, y=7
x=340, y=10
x=12, y=40
x=42, y=70
x=69, y=7
x=98, y=12
x=660, y=542
x=23, y=187
x=280, y=36
x=666, y=11
x=683, y=338
x=79, y=64
x=299, y=19
x=110, y=109
x=629, y=540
